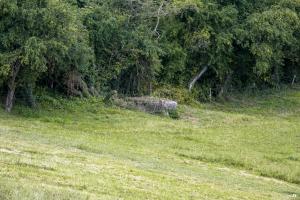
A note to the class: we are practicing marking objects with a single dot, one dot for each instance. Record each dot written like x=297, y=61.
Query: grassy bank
x=245, y=149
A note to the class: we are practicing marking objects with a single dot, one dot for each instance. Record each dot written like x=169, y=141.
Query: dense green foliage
x=87, y=47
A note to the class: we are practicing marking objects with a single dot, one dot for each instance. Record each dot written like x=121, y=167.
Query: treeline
x=89, y=47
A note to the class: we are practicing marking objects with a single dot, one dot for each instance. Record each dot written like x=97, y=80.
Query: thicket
x=89, y=47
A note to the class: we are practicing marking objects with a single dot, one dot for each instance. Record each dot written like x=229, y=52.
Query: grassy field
x=246, y=149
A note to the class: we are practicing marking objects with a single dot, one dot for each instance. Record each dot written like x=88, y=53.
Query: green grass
x=248, y=148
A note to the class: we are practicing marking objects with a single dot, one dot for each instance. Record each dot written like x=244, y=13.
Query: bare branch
x=158, y=18
x=192, y=83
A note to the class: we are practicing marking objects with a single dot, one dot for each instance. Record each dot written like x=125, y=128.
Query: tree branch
x=158, y=19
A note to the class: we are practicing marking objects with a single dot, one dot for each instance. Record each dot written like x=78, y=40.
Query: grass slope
x=246, y=149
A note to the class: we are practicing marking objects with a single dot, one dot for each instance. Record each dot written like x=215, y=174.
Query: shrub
x=178, y=94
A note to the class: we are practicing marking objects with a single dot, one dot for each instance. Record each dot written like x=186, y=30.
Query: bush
x=178, y=94
x=174, y=114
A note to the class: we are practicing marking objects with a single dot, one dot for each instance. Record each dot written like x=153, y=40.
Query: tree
x=37, y=36
x=82, y=47
x=271, y=37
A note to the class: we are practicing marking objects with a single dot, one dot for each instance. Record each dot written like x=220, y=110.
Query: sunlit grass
x=247, y=148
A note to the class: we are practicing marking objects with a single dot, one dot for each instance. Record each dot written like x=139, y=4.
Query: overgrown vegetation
x=90, y=47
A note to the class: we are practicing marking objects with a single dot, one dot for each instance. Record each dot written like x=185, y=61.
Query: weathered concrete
x=152, y=104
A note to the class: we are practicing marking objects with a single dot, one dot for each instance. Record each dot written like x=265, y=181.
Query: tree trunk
x=294, y=79
x=224, y=88
x=30, y=98
x=12, y=87
x=192, y=83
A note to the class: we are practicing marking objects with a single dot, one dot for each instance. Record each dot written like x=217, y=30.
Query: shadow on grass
x=265, y=103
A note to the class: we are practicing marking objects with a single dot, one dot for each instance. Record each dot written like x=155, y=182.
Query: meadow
x=246, y=148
